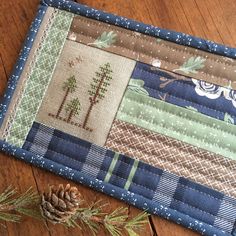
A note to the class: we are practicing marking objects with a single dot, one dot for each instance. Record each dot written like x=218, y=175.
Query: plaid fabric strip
x=227, y=208
x=178, y=193
x=166, y=188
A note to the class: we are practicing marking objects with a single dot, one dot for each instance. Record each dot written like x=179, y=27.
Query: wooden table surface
x=212, y=19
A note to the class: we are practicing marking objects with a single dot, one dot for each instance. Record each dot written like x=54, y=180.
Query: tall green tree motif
x=98, y=88
x=73, y=108
x=69, y=86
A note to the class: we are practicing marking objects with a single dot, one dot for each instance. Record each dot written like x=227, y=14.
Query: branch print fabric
x=200, y=96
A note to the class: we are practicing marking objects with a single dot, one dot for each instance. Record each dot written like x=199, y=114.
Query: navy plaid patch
x=178, y=193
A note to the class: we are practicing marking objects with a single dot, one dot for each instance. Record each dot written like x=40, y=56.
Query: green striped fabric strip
x=40, y=77
x=131, y=175
x=179, y=123
x=112, y=166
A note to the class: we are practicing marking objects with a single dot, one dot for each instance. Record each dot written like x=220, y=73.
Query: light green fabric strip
x=179, y=123
x=40, y=77
x=112, y=166
x=131, y=175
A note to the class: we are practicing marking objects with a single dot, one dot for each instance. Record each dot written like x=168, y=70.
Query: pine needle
x=136, y=223
x=8, y=193
x=26, y=199
x=87, y=216
x=115, y=221
x=34, y=213
x=10, y=217
x=12, y=206
x=24, y=204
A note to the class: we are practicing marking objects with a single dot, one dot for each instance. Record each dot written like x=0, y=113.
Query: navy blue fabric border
x=170, y=190
x=119, y=193
x=173, y=36
x=24, y=53
x=122, y=194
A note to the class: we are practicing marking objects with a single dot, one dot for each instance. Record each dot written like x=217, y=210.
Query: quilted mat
x=143, y=114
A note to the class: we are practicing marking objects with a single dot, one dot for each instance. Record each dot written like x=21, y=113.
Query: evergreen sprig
x=13, y=205
x=115, y=222
x=93, y=216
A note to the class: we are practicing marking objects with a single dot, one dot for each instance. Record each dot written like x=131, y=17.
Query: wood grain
x=213, y=19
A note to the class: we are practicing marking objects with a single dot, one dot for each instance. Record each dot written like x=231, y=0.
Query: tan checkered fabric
x=172, y=155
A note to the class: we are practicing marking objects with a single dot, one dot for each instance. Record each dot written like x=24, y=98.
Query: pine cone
x=58, y=205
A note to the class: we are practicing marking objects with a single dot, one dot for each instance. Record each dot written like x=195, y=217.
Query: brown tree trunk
x=62, y=104
x=93, y=102
x=87, y=116
x=70, y=116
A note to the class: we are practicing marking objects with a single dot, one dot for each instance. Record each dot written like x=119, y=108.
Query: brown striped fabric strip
x=159, y=53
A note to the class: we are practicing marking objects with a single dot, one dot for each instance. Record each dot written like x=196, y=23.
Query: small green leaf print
x=105, y=40
x=192, y=108
x=228, y=118
x=136, y=85
x=192, y=65
x=159, y=40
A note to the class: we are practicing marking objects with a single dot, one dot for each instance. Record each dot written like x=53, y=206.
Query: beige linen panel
x=82, y=62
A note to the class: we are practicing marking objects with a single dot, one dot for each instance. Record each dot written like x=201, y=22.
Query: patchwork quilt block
x=143, y=114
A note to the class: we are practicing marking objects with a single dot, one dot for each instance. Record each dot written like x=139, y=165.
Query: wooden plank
x=202, y=18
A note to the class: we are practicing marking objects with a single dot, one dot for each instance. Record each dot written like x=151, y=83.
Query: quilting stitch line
x=207, y=143
x=170, y=180
x=145, y=187
x=211, y=182
x=138, y=58
x=118, y=192
x=76, y=144
x=146, y=153
x=21, y=62
x=160, y=109
x=147, y=39
x=187, y=85
x=94, y=166
x=217, y=159
x=133, y=99
x=222, y=77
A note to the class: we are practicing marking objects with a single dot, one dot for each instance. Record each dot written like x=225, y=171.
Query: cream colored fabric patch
x=85, y=92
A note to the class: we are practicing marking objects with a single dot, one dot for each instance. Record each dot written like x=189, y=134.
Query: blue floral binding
x=78, y=176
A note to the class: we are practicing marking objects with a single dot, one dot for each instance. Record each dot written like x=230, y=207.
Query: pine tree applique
x=72, y=108
x=69, y=87
x=98, y=89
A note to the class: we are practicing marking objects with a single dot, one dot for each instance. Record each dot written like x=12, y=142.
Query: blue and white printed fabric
x=209, y=99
